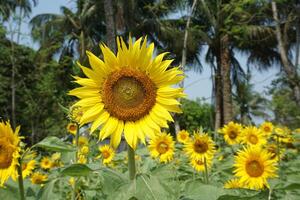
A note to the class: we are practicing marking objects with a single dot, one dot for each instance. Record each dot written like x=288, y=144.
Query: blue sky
x=197, y=85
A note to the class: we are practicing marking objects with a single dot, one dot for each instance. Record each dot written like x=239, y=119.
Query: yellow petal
x=91, y=113
x=117, y=135
x=88, y=102
x=130, y=134
x=100, y=120
x=109, y=127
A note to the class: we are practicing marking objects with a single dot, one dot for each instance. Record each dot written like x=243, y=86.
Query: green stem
x=131, y=163
x=20, y=180
x=206, y=171
x=76, y=159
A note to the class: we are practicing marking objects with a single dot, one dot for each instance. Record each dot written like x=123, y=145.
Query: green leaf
x=10, y=192
x=47, y=192
x=54, y=144
x=198, y=191
x=64, y=109
x=76, y=170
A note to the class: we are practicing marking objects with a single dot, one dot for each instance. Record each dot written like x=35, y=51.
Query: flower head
x=46, y=163
x=28, y=167
x=38, y=178
x=253, y=136
x=9, y=152
x=200, y=147
x=162, y=147
x=183, y=136
x=254, y=167
x=199, y=165
x=233, y=184
x=128, y=92
x=267, y=128
x=232, y=133
x=72, y=128
x=106, y=153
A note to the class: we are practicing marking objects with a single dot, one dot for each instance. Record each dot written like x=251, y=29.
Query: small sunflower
x=232, y=133
x=128, y=92
x=253, y=136
x=9, y=152
x=38, y=178
x=84, y=150
x=283, y=135
x=56, y=156
x=273, y=150
x=82, y=141
x=183, y=136
x=233, y=184
x=28, y=167
x=46, y=163
x=199, y=165
x=200, y=147
x=107, y=154
x=254, y=167
x=76, y=113
x=81, y=158
x=267, y=128
x=162, y=146
x=72, y=128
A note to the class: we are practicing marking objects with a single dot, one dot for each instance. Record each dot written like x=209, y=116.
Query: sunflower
x=199, y=165
x=200, y=147
x=72, y=128
x=28, y=167
x=273, y=150
x=283, y=135
x=254, y=166
x=38, y=178
x=233, y=184
x=9, y=152
x=129, y=92
x=162, y=146
x=82, y=159
x=107, y=154
x=183, y=136
x=75, y=114
x=232, y=133
x=84, y=150
x=267, y=128
x=82, y=141
x=46, y=163
x=253, y=136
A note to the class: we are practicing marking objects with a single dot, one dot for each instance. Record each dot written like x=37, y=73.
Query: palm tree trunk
x=110, y=25
x=225, y=66
x=288, y=67
x=218, y=99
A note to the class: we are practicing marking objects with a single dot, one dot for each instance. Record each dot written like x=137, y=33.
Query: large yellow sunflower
x=9, y=152
x=162, y=146
x=232, y=133
x=253, y=136
x=254, y=166
x=183, y=136
x=200, y=147
x=128, y=92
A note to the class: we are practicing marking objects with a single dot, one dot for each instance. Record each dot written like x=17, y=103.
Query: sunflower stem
x=131, y=163
x=76, y=158
x=20, y=180
x=206, y=171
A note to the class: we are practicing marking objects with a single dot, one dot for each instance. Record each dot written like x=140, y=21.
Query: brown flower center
x=232, y=134
x=105, y=154
x=6, y=154
x=267, y=129
x=73, y=127
x=128, y=94
x=254, y=168
x=162, y=148
x=253, y=139
x=200, y=146
x=199, y=162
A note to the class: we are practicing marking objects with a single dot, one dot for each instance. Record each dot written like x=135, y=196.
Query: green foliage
x=54, y=144
x=196, y=114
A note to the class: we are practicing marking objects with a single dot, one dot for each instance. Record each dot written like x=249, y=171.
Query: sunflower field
x=101, y=109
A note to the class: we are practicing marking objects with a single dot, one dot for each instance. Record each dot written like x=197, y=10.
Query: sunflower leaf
x=76, y=170
x=54, y=144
